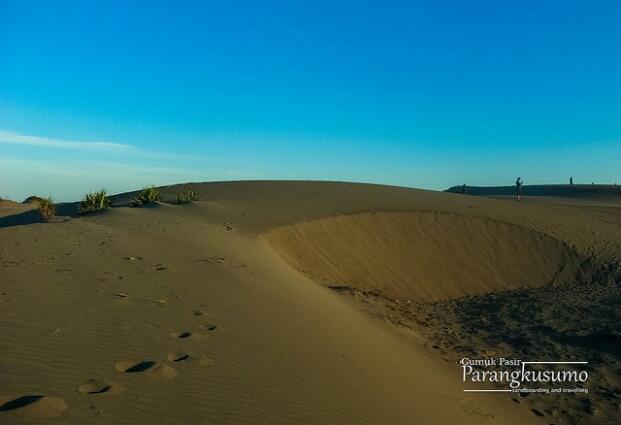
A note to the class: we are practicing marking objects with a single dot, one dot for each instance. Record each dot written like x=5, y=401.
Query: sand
x=225, y=311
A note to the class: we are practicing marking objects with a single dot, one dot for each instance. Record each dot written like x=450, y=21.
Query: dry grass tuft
x=47, y=208
x=187, y=197
x=146, y=196
x=94, y=201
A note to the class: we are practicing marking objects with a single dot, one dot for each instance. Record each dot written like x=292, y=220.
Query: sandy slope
x=187, y=314
x=423, y=255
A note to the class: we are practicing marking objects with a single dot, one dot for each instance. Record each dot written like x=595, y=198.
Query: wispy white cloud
x=96, y=169
x=126, y=150
x=11, y=137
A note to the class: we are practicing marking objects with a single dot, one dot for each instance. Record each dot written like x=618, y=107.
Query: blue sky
x=424, y=94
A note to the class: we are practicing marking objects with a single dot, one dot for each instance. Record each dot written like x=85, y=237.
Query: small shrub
x=94, y=201
x=146, y=196
x=187, y=196
x=47, y=208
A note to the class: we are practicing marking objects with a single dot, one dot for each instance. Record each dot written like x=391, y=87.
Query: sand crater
x=424, y=256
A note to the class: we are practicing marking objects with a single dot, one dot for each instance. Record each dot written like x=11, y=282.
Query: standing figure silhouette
x=518, y=188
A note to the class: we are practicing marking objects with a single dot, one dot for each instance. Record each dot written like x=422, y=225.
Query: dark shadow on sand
x=20, y=402
x=26, y=217
x=140, y=367
x=65, y=209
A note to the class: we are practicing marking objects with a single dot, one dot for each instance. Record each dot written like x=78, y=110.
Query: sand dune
x=211, y=312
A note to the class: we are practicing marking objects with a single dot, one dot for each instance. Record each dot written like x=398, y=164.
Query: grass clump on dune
x=146, y=196
x=47, y=208
x=187, y=197
x=94, y=201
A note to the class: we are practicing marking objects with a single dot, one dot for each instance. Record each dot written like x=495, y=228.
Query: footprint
x=209, y=326
x=183, y=334
x=159, y=266
x=94, y=386
x=536, y=412
x=197, y=313
x=212, y=260
x=129, y=366
x=178, y=356
x=134, y=298
x=32, y=406
x=152, y=369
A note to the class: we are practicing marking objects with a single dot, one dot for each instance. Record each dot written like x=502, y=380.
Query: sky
x=430, y=94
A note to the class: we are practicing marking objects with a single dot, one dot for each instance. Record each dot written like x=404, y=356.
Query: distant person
x=463, y=189
x=518, y=188
x=571, y=180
